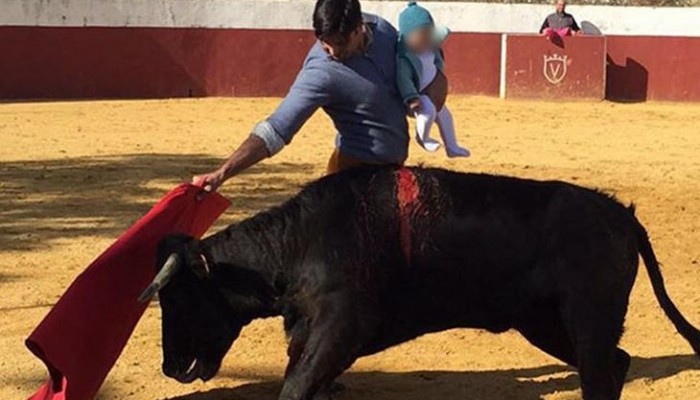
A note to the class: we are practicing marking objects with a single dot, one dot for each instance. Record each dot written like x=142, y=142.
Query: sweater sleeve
x=574, y=25
x=310, y=91
x=405, y=80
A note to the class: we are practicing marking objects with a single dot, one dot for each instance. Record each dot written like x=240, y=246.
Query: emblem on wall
x=554, y=68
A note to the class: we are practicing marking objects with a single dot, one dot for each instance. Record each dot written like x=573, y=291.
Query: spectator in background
x=560, y=23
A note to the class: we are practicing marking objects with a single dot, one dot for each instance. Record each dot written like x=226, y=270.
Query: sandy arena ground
x=73, y=175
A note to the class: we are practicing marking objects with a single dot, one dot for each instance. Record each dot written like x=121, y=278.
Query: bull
x=369, y=258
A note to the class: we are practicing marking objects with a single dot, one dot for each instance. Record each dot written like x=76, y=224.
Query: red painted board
x=473, y=63
x=93, y=62
x=653, y=68
x=561, y=68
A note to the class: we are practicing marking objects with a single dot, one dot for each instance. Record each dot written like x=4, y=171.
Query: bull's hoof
x=336, y=387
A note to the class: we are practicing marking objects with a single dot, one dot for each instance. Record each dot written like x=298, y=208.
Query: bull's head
x=199, y=325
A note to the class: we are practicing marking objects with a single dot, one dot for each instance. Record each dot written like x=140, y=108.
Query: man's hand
x=211, y=181
x=414, y=105
x=249, y=153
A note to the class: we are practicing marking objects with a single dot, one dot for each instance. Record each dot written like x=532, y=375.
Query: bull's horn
x=172, y=264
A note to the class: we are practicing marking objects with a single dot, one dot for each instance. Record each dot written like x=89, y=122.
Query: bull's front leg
x=298, y=336
x=335, y=338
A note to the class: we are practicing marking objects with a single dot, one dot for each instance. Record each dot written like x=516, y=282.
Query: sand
x=73, y=175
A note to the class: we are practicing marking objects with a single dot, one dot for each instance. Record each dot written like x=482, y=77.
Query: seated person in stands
x=560, y=23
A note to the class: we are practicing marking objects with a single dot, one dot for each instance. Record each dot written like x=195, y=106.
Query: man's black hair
x=336, y=18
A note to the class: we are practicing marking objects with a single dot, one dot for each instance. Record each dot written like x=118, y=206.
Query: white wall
x=296, y=14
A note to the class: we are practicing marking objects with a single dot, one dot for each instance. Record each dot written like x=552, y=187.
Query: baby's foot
x=457, y=151
x=428, y=144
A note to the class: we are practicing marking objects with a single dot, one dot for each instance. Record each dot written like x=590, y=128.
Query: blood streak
x=407, y=196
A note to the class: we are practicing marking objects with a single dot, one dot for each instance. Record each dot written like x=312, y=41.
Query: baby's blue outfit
x=408, y=67
x=409, y=78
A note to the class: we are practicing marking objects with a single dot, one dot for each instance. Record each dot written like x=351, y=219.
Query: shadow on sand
x=102, y=196
x=520, y=384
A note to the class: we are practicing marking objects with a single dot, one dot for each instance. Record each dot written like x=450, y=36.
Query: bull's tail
x=688, y=331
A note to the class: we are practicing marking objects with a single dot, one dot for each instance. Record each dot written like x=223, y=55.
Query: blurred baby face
x=421, y=40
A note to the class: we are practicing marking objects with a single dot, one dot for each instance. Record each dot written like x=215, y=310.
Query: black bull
x=366, y=259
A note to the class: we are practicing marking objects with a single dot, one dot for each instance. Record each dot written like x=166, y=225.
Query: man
x=350, y=73
x=560, y=23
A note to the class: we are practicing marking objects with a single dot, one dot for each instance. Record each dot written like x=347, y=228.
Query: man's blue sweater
x=359, y=94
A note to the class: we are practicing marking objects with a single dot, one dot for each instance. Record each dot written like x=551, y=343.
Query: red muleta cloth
x=85, y=332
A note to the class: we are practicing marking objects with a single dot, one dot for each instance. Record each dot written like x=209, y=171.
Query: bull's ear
x=174, y=252
x=197, y=259
x=200, y=266
x=190, y=250
x=173, y=244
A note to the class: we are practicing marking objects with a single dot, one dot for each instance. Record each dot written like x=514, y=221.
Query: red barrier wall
x=559, y=68
x=61, y=62
x=473, y=63
x=653, y=68
x=42, y=62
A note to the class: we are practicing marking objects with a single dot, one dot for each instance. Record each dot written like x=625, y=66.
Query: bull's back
x=477, y=250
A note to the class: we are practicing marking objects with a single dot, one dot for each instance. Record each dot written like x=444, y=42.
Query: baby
x=419, y=60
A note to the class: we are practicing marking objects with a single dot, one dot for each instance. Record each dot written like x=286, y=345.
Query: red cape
x=85, y=332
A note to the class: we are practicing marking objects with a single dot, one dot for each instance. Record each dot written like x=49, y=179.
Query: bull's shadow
x=510, y=384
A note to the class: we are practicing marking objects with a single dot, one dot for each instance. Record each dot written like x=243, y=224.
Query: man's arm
x=309, y=92
x=405, y=82
x=249, y=153
x=574, y=25
x=545, y=25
